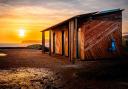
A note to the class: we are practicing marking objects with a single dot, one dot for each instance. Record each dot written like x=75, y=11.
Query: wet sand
x=30, y=69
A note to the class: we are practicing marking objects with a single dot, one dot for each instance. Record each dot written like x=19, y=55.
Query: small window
x=113, y=45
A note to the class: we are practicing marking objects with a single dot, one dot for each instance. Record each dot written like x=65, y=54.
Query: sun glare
x=21, y=32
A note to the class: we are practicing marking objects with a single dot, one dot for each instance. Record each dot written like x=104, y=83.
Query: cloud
x=51, y=11
x=36, y=15
x=81, y=6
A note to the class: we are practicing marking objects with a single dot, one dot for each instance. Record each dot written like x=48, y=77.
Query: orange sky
x=26, y=18
x=20, y=18
x=33, y=16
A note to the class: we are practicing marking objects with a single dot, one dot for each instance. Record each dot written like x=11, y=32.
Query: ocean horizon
x=18, y=44
x=14, y=44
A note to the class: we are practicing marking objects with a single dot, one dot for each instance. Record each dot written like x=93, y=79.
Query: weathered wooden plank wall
x=96, y=36
x=82, y=42
x=52, y=32
x=66, y=41
x=73, y=39
x=58, y=40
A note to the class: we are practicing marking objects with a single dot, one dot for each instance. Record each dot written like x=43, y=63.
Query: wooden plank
x=72, y=39
x=63, y=44
x=52, y=41
x=69, y=41
x=43, y=41
x=66, y=42
x=57, y=40
x=102, y=37
x=54, y=44
x=82, y=42
x=79, y=42
x=71, y=33
x=97, y=37
x=76, y=38
x=49, y=42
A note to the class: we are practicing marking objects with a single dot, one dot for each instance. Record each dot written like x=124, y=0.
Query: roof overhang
x=87, y=15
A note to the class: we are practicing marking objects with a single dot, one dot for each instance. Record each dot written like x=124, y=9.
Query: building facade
x=88, y=36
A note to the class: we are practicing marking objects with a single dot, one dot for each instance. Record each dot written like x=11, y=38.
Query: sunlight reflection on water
x=3, y=54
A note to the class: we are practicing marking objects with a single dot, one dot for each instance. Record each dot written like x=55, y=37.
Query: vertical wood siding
x=73, y=39
x=82, y=42
x=52, y=41
x=58, y=42
x=66, y=42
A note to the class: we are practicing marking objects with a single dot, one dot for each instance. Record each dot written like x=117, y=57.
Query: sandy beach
x=30, y=69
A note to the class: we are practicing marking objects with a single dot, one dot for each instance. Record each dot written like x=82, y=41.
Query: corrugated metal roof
x=85, y=15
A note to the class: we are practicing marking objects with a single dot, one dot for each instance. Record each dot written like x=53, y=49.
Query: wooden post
x=53, y=43
x=69, y=30
x=73, y=37
x=76, y=41
x=49, y=42
x=43, y=42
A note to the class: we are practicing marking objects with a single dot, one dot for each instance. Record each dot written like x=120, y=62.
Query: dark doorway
x=63, y=53
x=54, y=42
x=79, y=43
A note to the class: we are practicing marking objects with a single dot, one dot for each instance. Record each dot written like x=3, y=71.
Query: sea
x=13, y=45
x=19, y=45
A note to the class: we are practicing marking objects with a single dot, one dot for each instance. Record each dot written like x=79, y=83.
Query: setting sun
x=21, y=32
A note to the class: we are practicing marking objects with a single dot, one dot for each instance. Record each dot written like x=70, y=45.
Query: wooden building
x=88, y=36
